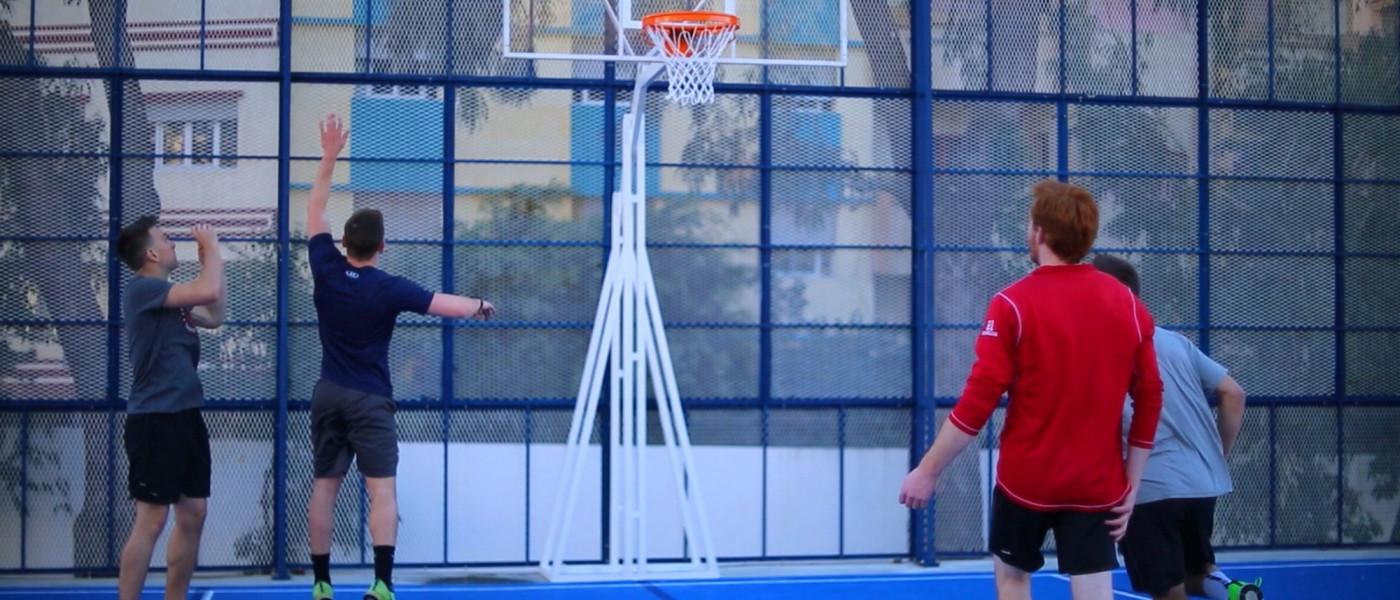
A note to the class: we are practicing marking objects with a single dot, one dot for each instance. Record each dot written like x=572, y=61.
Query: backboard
x=771, y=32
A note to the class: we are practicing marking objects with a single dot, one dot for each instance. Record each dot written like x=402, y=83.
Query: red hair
x=1068, y=216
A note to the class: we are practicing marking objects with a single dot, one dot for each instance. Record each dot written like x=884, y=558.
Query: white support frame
x=629, y=343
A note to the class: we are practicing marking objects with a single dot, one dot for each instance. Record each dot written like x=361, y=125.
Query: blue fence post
x=33, y=31
x=203, y=18
x=1061, y=57
x=765, y=285
x=841, y=481
x=1339, y=373
x=530, y=433
x=1203, y=312
x=1269, y=85
x=449, y=266
x=923, y=538
x=449, y=250
x=1273, y=479
x=1062, y=139
x=23, y=489
x=369, y=36
x=1133, y=68
x=284, y=264
x=916, y=31
x=115, y=98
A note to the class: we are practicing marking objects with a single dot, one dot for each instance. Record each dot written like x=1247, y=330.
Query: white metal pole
x=595, y=347
x=579, y=440
x=668, y=376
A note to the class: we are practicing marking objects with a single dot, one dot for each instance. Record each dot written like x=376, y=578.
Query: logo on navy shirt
x=991, y=329
x=352, y=274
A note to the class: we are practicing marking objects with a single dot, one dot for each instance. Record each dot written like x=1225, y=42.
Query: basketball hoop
x=690, y=42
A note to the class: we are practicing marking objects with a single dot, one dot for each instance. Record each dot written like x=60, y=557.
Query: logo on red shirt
x=991, y=329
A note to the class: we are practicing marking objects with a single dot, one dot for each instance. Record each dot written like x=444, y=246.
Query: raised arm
x=333, y=137
x=208, y=287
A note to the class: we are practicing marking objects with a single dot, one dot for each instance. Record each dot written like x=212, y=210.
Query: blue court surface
x=1328, y=580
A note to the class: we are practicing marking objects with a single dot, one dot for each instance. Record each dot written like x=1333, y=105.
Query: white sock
x=1216, y=585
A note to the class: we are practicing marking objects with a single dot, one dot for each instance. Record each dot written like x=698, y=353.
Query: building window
x=197, y=143
x=803, y=263
x=382, y=59
x=381, y=64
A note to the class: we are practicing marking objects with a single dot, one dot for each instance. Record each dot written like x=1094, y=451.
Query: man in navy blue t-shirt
x=352, y=408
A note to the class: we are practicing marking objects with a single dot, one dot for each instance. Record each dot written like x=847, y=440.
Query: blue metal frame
x=284, y=203
x=203, y=22
x=449, y=286
x=24, y=490
x=1133, y=68
x=115, y=97
x=33, y=29
x=765, y=282
x=449, y=268
x=921, y=523
x=1339, y=370
x=1203, y=176
x=923, y=401
x=1269, y=37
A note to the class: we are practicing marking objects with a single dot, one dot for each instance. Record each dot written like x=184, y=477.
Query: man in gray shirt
x=1167, y=547
x=165, y=437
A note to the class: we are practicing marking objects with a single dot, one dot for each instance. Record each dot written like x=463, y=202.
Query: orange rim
x=691, y=20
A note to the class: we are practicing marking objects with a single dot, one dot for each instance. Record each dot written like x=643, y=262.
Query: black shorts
x=1168, y=540
x=1082, y=540
x=348, y=425
x=168, y=455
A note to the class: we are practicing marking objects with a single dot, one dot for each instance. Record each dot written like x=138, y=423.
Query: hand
x=918, y=488
x=486, y=311
x=1118, y=525
x=205, y=237
x=333, y=135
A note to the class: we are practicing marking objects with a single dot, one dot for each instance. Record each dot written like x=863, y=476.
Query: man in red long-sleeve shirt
x=1068, y=343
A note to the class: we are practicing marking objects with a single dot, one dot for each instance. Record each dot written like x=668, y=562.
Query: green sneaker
x=322, y=591
x=379, y=591
x=1240, y=590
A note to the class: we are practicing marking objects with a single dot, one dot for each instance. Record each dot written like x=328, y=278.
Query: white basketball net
x=690, y=51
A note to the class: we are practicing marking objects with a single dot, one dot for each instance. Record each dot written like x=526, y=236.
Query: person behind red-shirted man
x=1067, y=343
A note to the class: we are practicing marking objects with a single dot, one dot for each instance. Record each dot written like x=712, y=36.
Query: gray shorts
x=348, y=425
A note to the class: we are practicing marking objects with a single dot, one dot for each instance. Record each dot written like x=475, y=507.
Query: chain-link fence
x=824, y=243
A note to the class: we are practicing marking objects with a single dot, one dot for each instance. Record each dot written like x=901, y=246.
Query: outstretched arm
x=460, y=307
x=333, y=137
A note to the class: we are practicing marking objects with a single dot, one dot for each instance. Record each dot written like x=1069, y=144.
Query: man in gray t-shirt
x=1167, y=548
x=166, y=441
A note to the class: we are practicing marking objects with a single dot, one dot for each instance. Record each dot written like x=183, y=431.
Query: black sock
x=321, y=566
x=384, y=565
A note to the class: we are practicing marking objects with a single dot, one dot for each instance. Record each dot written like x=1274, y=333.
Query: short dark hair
x=364, y=233
x=1120, y=269
x=1069, y=217
x=134, y=240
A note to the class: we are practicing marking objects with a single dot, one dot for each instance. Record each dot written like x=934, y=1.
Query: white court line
x=1116, y=592
x=526, y=587
x=1305, y=564
x=529, y=588
x=209, y=595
